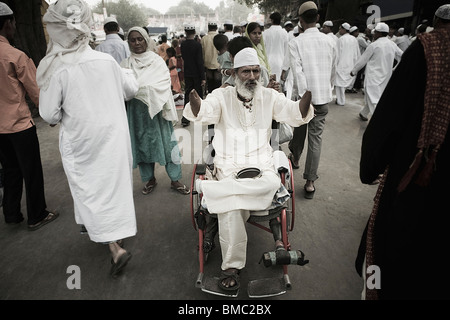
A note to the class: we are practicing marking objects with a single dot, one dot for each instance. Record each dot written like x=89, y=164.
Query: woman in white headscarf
x=84, y=90
x=151, y=114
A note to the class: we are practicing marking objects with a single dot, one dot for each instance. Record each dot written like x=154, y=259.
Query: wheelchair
x=205, y=224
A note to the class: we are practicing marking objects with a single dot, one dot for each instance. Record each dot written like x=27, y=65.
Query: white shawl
x=153, y=77
x=68, y=25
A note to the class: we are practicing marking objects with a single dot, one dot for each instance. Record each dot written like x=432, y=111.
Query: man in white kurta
x=379, y=59
x=243, y=131
x=84, y=92
x=347, y=54
x=276, y=41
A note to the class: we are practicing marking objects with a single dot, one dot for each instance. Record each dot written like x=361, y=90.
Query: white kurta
x=238, y=146
x=379, y=60
x=87, y=99
x=276, y=40
x=347, y=54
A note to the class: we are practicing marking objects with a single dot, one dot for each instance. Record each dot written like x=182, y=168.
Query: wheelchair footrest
x=263, y=288
x=211, y=285
x=283, y=257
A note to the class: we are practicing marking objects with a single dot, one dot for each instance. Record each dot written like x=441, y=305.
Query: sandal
x=227, y=274
x=291, y=158
x=49, y=218
x=120, y=264
x=309, y=194
x=181, y=189
x=149, y=188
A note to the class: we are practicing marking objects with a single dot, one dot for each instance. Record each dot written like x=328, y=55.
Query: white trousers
x=369, y=107
x=233, y=200
x=340, y=95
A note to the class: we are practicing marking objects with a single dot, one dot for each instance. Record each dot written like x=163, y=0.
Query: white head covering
x=246, y=57
x=153, y=77
x=328, y=23
x=110, y=19
x=443, y=12
x=68, y=26
x=346, y=26
x=382, y=27
x=353, y=29
x=5, y=10
x=401, y=31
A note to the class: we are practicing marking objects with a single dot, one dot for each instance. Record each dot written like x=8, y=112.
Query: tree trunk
x=29, y=36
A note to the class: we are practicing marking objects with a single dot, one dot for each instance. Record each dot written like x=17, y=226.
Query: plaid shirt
x=313, y=58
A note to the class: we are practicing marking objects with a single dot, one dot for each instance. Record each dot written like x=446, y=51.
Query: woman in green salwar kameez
x=151, y=114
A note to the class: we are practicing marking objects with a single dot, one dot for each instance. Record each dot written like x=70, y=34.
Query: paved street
x=164, y=266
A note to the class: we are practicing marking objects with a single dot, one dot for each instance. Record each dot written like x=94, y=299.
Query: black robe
x=412, y=228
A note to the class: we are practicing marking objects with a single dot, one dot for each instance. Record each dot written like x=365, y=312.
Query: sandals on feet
x=120, y=264
x=49, y=218
x=227, y=274
x=181, y=189
x=149, y=188
x=309, y=194
x=291, y=158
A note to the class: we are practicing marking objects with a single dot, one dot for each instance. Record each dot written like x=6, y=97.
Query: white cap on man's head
x=109, y=20
x=328, y=23
x=382, y=27
x=401, y=31
x=353, y=29
x=5, y=10
x=228, y=21
x=308, y=5
x=246, y=57
x=443, y=12
x=346, y=26
x=288, y=23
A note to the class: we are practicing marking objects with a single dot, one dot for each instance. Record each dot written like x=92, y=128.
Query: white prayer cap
x=212, y=24
x=261, y=23
x=328, y=23
x=109, y=20
x=246, y=57
x=382, y=27
x=370, y=26
x=244, y=23
x=443, y=12
x=5, y=10
x=308, y=5
x=353, y=29
x=318, y=25
x=296, y=30
x=346, y=26
x=288, y=23
x=189, y=27
x=401, y=30
x=228, y=22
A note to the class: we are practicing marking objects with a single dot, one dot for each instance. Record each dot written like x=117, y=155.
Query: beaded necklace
x=248, y=104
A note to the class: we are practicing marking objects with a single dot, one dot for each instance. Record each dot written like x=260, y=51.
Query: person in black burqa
x=407, y=138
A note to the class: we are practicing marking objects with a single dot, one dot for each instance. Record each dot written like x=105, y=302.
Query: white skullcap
x=346, y=26
x=370, y=26
x=308, y=5
x=401, y=30
x=243, y=23
x=288, y=23
x=443, y=12
x=228, y=22
x=382, y=27
x=328, y=23
x=189, y=27
x=296, y=30
x=212, y=24
x=246, y=57
x=353, y=29
x=318, y=25
x=110, y=19
x=5, y=10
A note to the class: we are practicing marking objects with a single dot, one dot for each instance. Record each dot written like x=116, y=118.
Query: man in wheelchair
x=242, y=117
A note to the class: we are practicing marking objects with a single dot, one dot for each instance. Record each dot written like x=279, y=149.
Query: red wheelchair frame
x=286, y=216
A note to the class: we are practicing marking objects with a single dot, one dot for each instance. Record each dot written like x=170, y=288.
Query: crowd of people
x=242, y=83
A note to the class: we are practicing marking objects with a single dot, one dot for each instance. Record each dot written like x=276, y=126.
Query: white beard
x=243, y=90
